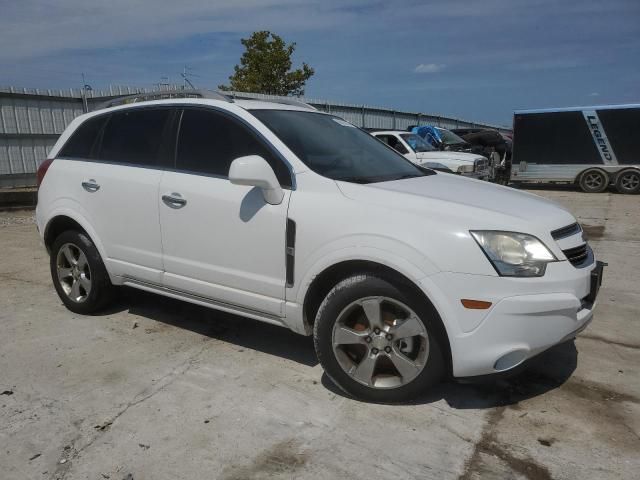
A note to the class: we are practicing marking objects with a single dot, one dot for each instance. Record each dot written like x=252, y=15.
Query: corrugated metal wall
x=31, y=120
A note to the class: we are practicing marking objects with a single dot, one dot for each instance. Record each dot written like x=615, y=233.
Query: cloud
x=594, y=94
x=429, y=68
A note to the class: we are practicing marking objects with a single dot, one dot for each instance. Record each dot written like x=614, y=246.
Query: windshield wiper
x=381, y=178
x=355, y=179
x=407, y=175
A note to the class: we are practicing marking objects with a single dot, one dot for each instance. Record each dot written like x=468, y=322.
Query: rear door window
x=210, y=140
x=84, y=140
x=137, y=137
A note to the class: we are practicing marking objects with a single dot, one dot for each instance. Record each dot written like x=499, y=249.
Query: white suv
x=421, y=152
x=297, y=218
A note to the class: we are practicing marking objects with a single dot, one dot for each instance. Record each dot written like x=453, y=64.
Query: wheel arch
x=63, y=221
x=323, y=282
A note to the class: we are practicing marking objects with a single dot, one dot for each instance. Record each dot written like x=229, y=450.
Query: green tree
x=265, y=67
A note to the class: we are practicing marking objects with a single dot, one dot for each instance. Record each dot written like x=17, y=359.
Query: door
x=222, y=241
x=117, y=187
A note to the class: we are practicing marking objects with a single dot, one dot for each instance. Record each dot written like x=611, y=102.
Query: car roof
x=247, y=105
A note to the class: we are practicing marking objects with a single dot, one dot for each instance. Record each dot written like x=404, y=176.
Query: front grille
x=567, y=231
x=577, y=255
x=481, y=165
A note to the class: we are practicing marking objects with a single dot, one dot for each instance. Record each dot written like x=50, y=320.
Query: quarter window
x=209, y=141
x=84, y=139
x=135, y=137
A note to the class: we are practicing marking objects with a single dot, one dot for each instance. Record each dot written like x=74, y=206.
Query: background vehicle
x=419, y=151
x=496, y=146
x=592, y=147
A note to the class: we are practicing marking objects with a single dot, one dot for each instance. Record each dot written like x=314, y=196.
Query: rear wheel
x=78, y=273
x=593, y=181
x=378, y=342
x=628, y=181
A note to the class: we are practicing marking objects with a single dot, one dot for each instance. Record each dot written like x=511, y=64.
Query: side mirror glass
x=253, y=170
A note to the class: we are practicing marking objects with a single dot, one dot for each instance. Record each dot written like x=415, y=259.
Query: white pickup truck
x=421, y=152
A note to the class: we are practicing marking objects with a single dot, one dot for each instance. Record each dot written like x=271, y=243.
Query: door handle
x=90, y=186
x=174, y=200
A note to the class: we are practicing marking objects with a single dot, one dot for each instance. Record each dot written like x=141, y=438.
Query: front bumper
x=527, y=316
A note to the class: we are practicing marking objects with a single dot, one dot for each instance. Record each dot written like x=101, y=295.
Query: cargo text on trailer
x=590, y=146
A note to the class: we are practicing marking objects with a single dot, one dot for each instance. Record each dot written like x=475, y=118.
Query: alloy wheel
x=74, y=273
x=380, y=342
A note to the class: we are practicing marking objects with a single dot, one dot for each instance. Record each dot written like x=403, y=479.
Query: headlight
x=514, y=254
x=465, y=169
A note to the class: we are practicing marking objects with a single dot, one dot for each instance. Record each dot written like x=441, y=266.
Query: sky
x=479, y=60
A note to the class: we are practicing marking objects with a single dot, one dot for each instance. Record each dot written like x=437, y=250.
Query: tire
x=628, y=181
x=365, y=366
x=593, y=180
x=78, y=273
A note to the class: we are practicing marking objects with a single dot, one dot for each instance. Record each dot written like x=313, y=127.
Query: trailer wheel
x=628, y=181
x=593, y=180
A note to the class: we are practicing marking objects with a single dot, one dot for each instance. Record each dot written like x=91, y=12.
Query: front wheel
x=78, y=273
x=376, y=341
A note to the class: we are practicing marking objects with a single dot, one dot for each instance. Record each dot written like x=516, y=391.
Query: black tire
x=628, y=181
x=101, y=291
x=593, y=180
x=364, y=286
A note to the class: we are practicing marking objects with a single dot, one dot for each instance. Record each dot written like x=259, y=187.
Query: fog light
x=510, y=360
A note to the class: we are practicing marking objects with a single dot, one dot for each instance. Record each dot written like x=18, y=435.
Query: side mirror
x=253, y=170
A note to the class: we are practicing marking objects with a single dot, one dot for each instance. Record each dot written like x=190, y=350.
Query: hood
x=468, y=203
x=461, y=157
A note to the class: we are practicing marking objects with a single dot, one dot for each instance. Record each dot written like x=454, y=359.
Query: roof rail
x=163, y=94
x=283, y=101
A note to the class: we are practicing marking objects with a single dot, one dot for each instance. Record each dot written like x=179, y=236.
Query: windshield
x=450, y=138
x=337, y=149
x=417, y=143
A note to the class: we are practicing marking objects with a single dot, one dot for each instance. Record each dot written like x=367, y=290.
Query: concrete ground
x=159, y=389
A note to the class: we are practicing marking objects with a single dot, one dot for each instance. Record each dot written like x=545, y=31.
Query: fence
x=32, y=119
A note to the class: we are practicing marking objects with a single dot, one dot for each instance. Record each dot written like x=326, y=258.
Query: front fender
x=389, y=252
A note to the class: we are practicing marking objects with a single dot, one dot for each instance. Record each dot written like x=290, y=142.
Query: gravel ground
x=160, y=389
